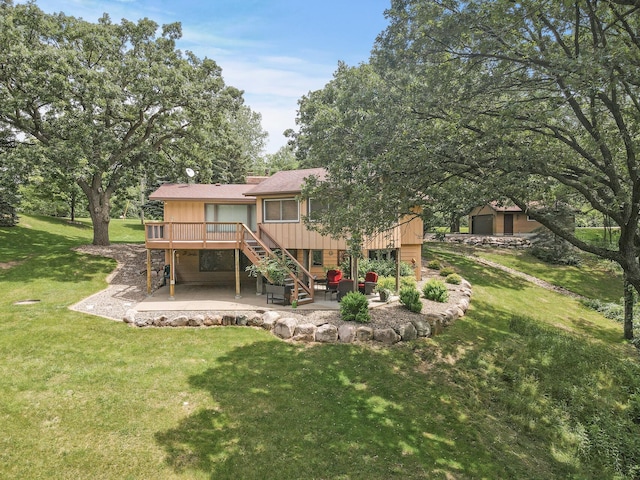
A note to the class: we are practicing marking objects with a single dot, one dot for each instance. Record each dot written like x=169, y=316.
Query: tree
x=541, y=95
x=106, y=100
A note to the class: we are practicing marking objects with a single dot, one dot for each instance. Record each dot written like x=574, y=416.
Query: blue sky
x=274, y=50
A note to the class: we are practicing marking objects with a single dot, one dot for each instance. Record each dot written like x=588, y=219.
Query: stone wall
x=507, y=241
x=289, y=328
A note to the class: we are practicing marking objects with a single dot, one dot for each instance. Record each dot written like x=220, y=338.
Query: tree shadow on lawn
x=290, y=411
x=43, y=255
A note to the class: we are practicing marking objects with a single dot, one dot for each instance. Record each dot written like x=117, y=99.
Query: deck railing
x=193, y=232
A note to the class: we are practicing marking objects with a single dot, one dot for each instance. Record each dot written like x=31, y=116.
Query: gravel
x=128, y=284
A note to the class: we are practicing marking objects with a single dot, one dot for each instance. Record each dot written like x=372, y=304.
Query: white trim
x=289, y=199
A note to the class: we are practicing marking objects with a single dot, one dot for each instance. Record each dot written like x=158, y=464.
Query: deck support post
x=148, y=271
x=238, y=273
x=172, y=274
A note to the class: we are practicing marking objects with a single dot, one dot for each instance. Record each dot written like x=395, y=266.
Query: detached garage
x=494, y=219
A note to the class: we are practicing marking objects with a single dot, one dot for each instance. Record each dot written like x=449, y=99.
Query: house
x=211, y=233
x=497, y=219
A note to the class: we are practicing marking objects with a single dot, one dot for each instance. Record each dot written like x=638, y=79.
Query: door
x=482, y=225
x=508, y=224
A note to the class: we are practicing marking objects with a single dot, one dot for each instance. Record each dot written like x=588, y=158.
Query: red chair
x=370, y=281
x=333, y=279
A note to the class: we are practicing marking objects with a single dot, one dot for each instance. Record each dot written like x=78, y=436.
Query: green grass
x=554, y=394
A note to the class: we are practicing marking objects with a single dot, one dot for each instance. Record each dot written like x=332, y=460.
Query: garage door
x=482, y=225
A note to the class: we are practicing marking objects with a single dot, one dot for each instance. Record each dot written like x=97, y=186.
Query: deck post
x=238, y=273
x=148, y=271
x=172, y=275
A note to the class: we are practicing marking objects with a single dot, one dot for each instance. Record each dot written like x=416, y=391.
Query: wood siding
x=521, y=223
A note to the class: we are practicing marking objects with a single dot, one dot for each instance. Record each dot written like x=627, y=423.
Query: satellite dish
x=190, y=172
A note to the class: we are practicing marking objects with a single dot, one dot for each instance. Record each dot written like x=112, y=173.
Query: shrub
x=446, y=271
x=386, y=283
x=434, y=265
x=410, y=298
x=550, y=248
x=408, y=282
x=355, y=307
x=453, y=278
x=435, y=290
x=384, y=268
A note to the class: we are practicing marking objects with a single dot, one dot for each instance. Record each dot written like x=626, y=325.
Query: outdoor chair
x=345, y=286
x=333, y=278
x=370, y=281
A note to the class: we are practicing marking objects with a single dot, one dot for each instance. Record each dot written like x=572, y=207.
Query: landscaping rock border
x=286, y=327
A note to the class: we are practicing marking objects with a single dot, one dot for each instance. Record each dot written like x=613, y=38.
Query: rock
x=364, y=334
x=196, y=321
x=141, y=322
x=285, y=327
x=423, y=329
x=327, y=333
x=388, y=336
x=269, y=319
x=211, y=320
x=305, y=332
x=407, y=332
x=160, y=321
x=179, y=321
x=346, y=333
x=255, y=320
x=228, y=319
x=463, y=304
x=241, y=320
x=129, y=316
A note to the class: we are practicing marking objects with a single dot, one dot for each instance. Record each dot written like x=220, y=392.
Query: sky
x=276, y=51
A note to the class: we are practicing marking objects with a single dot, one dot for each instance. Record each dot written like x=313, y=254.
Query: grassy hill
x=529, y=384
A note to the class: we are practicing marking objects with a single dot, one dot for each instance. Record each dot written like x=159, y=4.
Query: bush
x=384, y=268
x=386, y=283
x=408, y=282
x=453, y=278
x=435, y=290
x=410, y=298
x=355, y=307
x=446, y=271
x=434, y=265
x=550, y=248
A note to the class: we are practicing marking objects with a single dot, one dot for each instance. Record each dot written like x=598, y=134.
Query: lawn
x=528, y=385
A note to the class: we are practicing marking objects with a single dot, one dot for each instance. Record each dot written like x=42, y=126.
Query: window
x=230, y=213
x=315, y=208
x=281, y=210
x=316, y=258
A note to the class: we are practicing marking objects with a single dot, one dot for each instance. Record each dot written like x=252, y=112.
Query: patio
x=200, y=297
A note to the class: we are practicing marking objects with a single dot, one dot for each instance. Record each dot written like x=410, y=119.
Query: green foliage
x=410, y=298
x=446, y=271
x=434, y=265
x=101, y=101
x=453, y=278
x=274, y=269
x=386, y=283
x=355, y=307
x=408, y=282
x=384, y=268
x=550, y=248
x=8, y=214
x=435, y=290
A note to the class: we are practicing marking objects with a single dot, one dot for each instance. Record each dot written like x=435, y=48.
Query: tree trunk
x=454, y=224
x=628, y=309
x=99, y=208
x=72, y=206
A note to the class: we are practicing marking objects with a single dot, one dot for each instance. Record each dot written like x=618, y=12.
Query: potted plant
x=384, y=287
x=276, y=272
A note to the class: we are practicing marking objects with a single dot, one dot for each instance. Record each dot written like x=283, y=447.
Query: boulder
x=228, y=319
x=346, y=333
x=388, y=336
x=255, y=320
x=305, y=332
x=242, y=320
x=407, y=332
x=423, y=329
x=211, y=319
x=179, y=321
x=196, y=321
x=141, y=322
x=285, y=327
x=129, y=316
x=364, y=334
x=269, y=319
x=327, y=333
